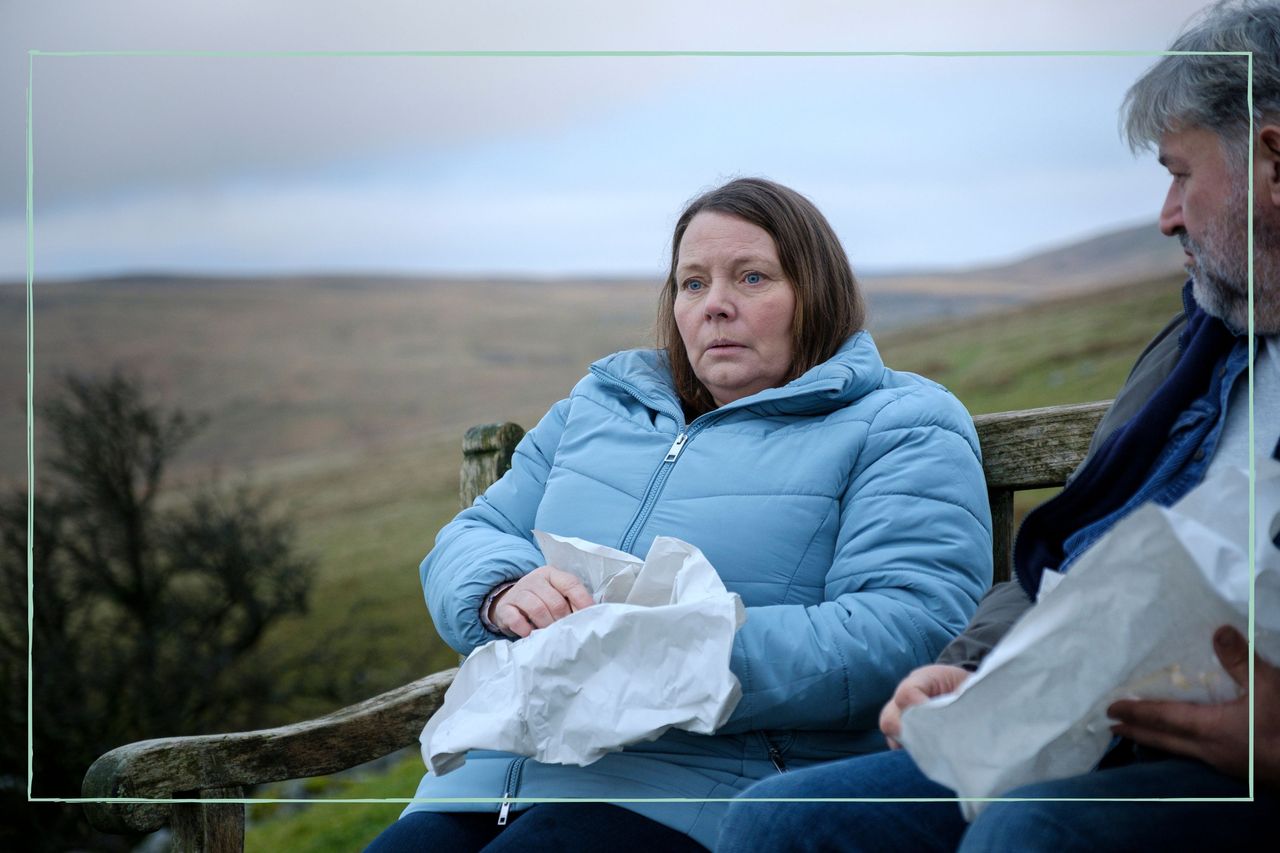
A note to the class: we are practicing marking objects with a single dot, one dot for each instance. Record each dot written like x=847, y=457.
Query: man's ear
x=1266, y=153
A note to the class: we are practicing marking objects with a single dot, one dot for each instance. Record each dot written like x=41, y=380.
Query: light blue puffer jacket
x=847, y=508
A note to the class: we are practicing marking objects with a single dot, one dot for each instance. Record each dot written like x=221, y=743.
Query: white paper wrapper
x=1133, y=618
x=653, y=654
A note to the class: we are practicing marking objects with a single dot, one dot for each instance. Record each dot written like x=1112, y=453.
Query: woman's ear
x=1267, y=156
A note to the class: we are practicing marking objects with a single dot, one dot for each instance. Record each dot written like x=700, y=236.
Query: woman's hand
x=919, y=686
x=538, y=599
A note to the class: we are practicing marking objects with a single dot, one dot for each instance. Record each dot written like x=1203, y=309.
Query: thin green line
x=628, y=53
x=31, y=465
x=1253, y=474
x=404, y=800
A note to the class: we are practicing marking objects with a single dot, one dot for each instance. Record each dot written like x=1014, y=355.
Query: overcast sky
x=550, y=165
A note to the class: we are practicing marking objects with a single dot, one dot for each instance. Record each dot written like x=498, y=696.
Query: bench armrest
x=181, y=767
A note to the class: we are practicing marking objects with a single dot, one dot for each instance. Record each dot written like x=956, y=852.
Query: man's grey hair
x=1181, y=92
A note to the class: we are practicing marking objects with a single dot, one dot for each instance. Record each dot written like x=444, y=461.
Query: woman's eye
x=693, y=284
x=753, y=278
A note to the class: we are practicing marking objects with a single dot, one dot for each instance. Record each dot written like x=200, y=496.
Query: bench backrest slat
x=1029, y=449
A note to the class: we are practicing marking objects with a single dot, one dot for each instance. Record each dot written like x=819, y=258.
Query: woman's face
x=734, y=306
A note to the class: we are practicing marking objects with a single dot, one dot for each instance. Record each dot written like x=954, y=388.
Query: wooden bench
x=1028, y=449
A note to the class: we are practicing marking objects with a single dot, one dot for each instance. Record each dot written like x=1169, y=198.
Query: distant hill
x=1132, y=254
x=1127, y=255
x=1137, y=253
x=306, y=370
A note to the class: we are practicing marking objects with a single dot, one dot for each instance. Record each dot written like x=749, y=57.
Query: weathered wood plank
x=1001, y=533
x=1026, y=449
x=157, y=769
x=207, y=827
x=1035, y=448
x=486, y=456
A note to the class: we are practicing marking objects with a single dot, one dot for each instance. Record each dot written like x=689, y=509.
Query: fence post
x=486, y=456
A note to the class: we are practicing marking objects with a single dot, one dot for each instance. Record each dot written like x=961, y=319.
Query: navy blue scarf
x=1122, y=464
x=1275, y=454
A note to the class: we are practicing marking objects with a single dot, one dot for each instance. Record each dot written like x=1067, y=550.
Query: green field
x=1065, y=351
x=1074, y=350
x=305, y=376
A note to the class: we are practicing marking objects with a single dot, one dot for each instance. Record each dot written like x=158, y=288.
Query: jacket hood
x=853, y=372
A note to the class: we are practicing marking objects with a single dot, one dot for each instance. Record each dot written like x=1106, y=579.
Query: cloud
x=221, y=139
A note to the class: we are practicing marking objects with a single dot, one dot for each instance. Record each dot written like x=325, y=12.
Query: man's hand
x=1215, y=733
x=921, y=684
x=538, y=599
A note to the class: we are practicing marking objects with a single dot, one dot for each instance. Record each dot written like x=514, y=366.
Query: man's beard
x=1220, y=274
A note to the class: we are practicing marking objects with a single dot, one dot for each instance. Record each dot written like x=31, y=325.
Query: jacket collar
x=854, y=371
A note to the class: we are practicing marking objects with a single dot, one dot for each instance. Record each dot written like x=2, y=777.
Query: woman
x=844, y=502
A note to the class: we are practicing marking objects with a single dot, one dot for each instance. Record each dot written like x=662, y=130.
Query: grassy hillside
x=371, y=523
x=309, y=374
x=1065, y=351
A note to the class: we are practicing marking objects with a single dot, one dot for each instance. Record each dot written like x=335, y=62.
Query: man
x=1183, y=410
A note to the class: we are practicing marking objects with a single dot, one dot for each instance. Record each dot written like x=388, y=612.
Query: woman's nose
x=719, y=302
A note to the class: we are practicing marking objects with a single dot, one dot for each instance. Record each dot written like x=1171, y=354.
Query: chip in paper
x=652, y=654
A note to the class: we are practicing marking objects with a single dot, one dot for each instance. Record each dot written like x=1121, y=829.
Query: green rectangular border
x=30, y=355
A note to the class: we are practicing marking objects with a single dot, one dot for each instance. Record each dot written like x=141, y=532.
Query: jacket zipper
x=509, y=789
x=775, y=754
x=663, y=471
x=656, y=484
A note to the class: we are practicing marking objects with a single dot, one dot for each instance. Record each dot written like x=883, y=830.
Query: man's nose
x=1171, y=222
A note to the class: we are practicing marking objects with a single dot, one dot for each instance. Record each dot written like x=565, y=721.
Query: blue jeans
x=1048, y=826
x=549, y=827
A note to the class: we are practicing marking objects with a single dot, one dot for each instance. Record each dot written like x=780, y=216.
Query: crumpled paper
x=651, y=655
x=1133, y=618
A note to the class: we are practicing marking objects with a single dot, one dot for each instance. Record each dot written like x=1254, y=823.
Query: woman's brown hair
x=829, y=306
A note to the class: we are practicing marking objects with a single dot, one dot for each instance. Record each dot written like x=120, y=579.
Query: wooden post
x=1001, y=533
x=486, y=456
x=209, y=827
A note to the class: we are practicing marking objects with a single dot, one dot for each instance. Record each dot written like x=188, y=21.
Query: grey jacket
x=1005, y=602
